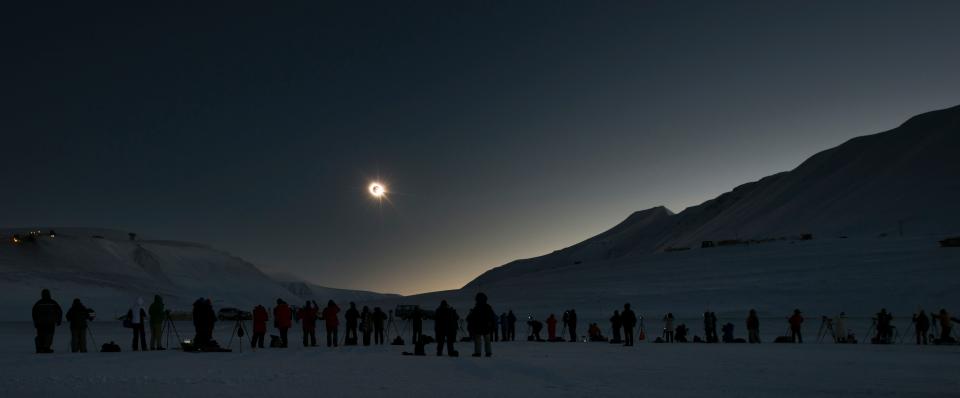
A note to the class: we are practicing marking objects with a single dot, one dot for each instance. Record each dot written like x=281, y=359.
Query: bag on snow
x=110, y=347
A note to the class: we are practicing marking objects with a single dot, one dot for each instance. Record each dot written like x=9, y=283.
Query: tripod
x=168, y=327
x=238, y=331
x=826, y=326
x=870, y=330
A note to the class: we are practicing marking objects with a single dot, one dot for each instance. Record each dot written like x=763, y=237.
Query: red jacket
x=260, y=319
x=552, y=326
x=795, y=321
x=308, y=318
x=281, y=316
x=330, y=316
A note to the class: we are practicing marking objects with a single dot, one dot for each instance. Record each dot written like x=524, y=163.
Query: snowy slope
x=109, y=273
x=864, y=188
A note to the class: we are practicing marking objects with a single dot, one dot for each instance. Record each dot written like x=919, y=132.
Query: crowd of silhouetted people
x=483, y=326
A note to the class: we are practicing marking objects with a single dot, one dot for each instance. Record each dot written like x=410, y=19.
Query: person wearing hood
x=138, y=317
x=480, y=323
x=260, y=318
x=552, y=327
x=511, y=325
x=282, y=319
x=308, y=320
x=78, y=315
x=158, y=313
x=332, y=322
x=47, y=315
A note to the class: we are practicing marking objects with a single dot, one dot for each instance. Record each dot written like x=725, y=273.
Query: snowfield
x=517, y=369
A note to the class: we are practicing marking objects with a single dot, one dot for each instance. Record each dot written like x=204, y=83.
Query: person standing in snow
x=512, y=325
x=332, y=322
x=945, y=326
x=203, y=321
x=629, y=320
x=138, y=317
x=668, y=327
x=366, y=324
x=921, y=325
x=445, y=327
x=504, y=327
x=260, y=318
x=282, y=320
x=572, y=325
x=47, y=315
x=480, y=322
x=840, y=328
x=308, y=322
x=78, y=315
x=551, y=327
x=616, y=323
x=351, y=317
x=157, y=315
x=417, y=324
x=379, y=317
x=796, y=324
x=753, y=327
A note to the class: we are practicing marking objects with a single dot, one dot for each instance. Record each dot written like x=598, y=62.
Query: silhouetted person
x=884, y=327
x=629, y=320
x=945, y=326
x=535, y=328
x=282, y=320
x=379, y=317
x=710, y=327
x=668, y=327
x=351, y=316
x=796, y=324
x=158, y=313
x=480, y=322
x=681, y=333
x=552, y=327
x=921, y=326
x=616, y=323
x=366, y=325
x=594, y=333
x=308, y=323
x=417, y=324
x=511, y=325
x=78, y=315
x=203, y=321
x=260, y=318
x=753, y=327
x=840, y=332
x=138, y=320
x=504, y=327
x=445, y=327
x=572, y=325
x=332, y=322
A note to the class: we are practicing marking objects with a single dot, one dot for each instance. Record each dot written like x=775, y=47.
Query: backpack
x=110, y=347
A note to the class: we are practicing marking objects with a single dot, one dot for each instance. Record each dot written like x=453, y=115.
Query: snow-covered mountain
x=109, y=271
x=869, y=186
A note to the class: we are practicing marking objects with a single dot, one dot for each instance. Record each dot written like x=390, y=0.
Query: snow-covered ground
x=517, y=369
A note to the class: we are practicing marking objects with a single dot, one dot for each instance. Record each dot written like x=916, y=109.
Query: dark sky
x=504, y=129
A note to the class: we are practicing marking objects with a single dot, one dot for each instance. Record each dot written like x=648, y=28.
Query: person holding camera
x=78, y=315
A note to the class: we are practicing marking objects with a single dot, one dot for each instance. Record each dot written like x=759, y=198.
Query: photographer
x=535, y=328
x=78, y=315
x=158, y=314
x=921, y=326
